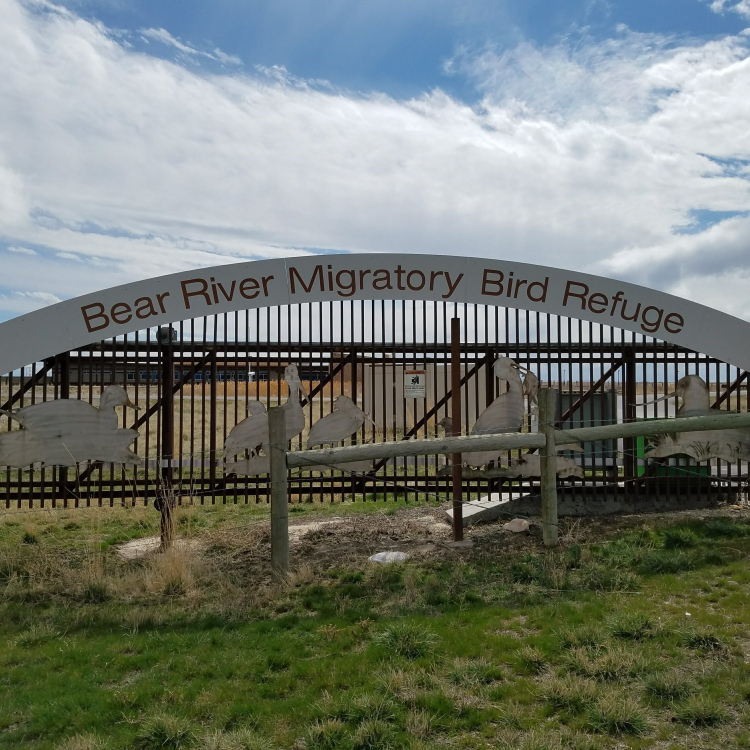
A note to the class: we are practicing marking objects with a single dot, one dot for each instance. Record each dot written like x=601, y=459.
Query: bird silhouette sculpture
x=504, y=414
x=251, y=434
x=728, y=445
x=65, y=432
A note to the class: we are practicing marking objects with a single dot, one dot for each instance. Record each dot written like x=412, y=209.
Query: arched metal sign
x=165, y=299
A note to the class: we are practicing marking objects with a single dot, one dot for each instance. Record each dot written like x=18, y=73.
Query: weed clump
x=470, y=672
x=374, y=735
x=161, y=731
x=606, y=665
x=702, y=640
x=532, y=660
x=616, y=714
x=631, y=626
x=328, y=734
x=669, y=687
x=701, y=711
x=679, y=537
x=236, y=739
x=407, y=640
x=569, y=694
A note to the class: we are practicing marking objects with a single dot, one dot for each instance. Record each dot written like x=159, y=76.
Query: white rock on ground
x=517, y=525
x=389, y=557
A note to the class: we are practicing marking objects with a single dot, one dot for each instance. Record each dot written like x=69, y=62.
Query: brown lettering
x=452, y=286
x=99, y=313
x=144, y=308
x=569, y=293
x=121, y=313
x=678, y=322
x=497, y=282
x=293, y=272
x=160, y=300
x=248, y=287
x=598, y=300
x=202, y=292
x=651, y=326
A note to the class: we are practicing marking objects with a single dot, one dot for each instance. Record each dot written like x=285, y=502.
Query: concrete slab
x=489, y=508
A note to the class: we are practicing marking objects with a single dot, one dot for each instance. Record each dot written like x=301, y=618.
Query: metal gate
x=193, y=386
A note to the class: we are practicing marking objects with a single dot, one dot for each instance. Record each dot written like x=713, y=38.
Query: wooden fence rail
x=499, y=442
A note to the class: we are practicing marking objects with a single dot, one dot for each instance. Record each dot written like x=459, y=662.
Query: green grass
x=635, y=640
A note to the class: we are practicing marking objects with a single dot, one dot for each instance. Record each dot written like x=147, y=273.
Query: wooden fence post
x=548, y=461
x=277, y=447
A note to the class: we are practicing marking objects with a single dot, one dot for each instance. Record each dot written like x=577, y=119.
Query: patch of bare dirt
x=140, y=548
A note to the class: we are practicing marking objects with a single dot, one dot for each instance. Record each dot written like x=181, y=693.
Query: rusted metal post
x=629, y=415
x=62, y=471
x=548, y=465
x=277, y=447
x=458, y=510
x=165, y=491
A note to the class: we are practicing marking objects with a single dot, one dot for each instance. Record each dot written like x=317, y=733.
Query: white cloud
x=20, y=250
x=742, y=7
x=586, y=155
x=70, y=256
x=163, y=36
x=20, y=302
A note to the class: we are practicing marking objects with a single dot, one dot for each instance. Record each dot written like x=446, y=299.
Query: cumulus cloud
x=20, y=250
x=587, y=155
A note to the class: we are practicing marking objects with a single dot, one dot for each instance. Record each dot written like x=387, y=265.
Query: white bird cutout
x=345, y=420
x=65, y=432
x=252, y=431
x=728, y=445
x=504, y=414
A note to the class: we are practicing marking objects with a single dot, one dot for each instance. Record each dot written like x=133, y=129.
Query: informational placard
x=415, y=384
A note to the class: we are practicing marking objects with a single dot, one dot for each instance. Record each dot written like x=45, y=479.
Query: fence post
x=165, y=490
x=457, y=474
x=277, y=449
x=548, y=461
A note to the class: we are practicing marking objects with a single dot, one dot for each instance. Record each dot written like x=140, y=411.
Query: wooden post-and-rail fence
x=546, y=440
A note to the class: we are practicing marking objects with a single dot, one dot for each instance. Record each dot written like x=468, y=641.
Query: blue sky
x=139, y=138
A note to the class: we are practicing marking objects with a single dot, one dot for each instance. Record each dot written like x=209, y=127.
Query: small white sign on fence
x=415, y=384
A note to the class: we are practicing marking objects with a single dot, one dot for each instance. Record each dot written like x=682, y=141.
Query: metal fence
x=193, y=390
